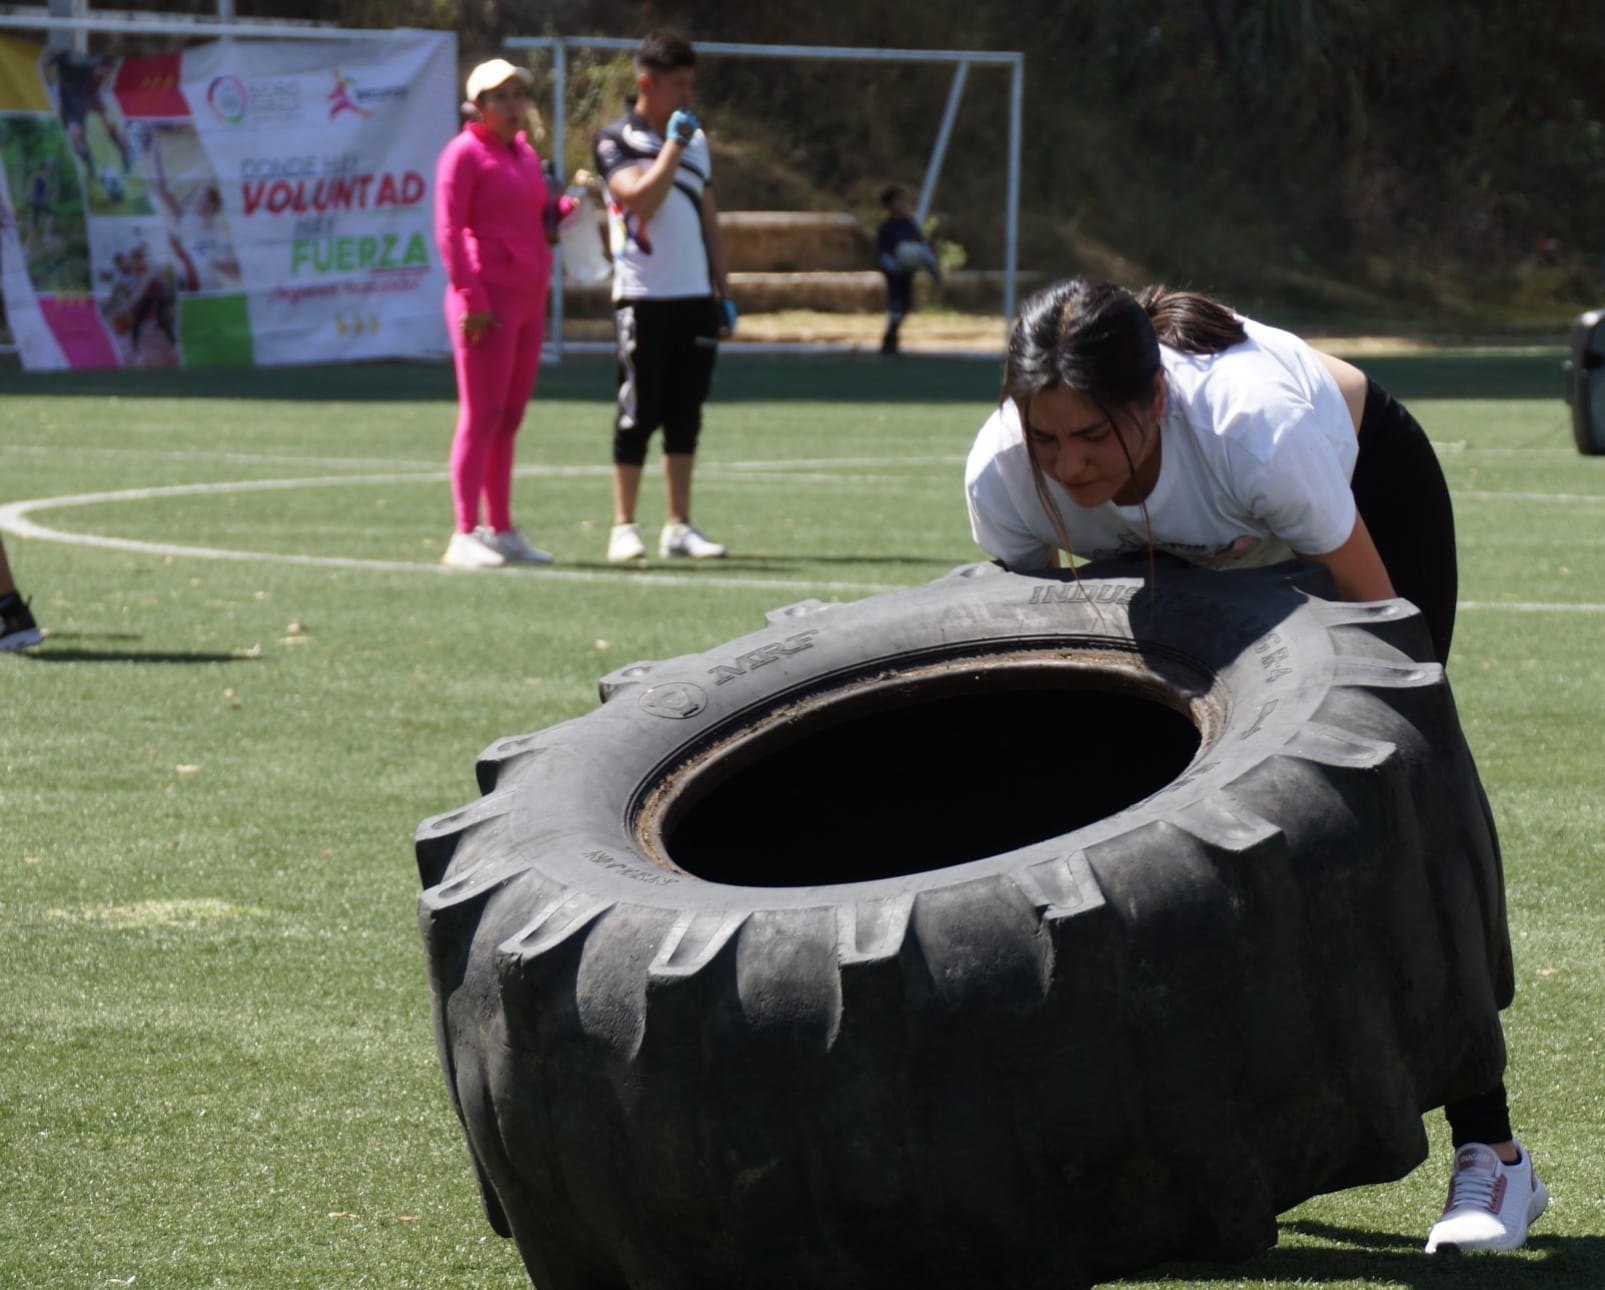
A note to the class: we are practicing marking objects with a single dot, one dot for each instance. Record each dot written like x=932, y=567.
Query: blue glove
x=727, y=310
x=683, y=127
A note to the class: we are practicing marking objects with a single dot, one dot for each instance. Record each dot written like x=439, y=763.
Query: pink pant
x=495, y=378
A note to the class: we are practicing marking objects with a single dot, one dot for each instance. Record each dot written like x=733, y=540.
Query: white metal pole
x=559, y=137
x=158, y=25
x=933, y=168
x=59, y=38
x=1011, y=251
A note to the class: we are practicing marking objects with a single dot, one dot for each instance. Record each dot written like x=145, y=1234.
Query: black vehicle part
x=1003, y=931
x=1585, y=381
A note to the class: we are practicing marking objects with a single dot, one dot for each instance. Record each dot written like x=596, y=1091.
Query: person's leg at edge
x=7, y=585
x=17, y=627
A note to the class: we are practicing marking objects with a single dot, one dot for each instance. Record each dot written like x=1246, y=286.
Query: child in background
x=902, y=250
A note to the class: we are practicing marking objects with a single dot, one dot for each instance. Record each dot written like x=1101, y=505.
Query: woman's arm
x=455, y=176
x=454, y=234
x=1356, y=567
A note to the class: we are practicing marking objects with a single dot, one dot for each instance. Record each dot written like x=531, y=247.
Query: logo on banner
x=226, y=97
x=341, y=96
x=348, y=96
x=232, y=100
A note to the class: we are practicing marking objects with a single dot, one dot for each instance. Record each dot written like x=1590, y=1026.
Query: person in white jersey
x=671, y=300
x=1165, y=422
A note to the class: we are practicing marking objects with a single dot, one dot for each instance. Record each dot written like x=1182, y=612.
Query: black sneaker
x=17, y=627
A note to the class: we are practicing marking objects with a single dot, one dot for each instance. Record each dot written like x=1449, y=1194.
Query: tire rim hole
x=924, y=782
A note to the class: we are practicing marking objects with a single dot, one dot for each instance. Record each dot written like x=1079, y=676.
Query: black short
x=666, y=354
x=1404, y=500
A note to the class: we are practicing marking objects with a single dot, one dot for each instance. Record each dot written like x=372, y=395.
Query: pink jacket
x=490, y=198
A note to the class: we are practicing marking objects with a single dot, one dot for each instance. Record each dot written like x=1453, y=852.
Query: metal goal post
x=960, y=60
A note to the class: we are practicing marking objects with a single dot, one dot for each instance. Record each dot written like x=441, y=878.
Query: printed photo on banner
x=137, y=288
x=47, y=198
x=80, y=85
x=231, y=203
x=189, y=195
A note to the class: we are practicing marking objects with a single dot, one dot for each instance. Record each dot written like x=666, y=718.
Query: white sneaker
x=513, y=546
x=470, y=551
x=682, y=539
x=624, y=543
x=1490, y=1203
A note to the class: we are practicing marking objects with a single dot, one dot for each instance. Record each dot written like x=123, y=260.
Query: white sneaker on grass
x=624, y=543
x=470, y=551
x=513, y=546
x=682, y=539
x=1490, y=1203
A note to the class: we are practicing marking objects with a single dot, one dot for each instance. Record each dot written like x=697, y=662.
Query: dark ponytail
x=1101, y=341
x=1189, y=321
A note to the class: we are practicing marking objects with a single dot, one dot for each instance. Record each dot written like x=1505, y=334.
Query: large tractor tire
x=1007, y=931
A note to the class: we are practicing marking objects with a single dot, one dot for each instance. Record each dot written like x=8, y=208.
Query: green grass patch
x=216, y=1065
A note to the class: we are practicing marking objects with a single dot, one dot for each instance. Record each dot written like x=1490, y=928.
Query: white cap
x=498, y=71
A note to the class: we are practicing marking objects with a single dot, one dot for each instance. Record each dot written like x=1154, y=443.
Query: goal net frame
x=960, y=60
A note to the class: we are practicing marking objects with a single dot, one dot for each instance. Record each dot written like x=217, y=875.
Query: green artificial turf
x=216, y=1063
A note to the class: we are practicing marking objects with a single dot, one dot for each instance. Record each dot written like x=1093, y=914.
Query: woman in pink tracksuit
x=491, y=226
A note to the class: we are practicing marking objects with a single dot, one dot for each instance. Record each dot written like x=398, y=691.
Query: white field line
x=247, y=458
x=14, y=519
x=1460, y=445
x=1531, y=607
x=1585, y=499
x=783, y=464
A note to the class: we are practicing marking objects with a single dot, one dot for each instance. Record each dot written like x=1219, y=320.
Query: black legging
x=1403, y=498
x=1400, y=490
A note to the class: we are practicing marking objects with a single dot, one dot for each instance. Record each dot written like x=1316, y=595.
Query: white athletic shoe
x=624, y=543
x=470, y=551
x=682, y=539
x=1490, y=1203
x=513, y=546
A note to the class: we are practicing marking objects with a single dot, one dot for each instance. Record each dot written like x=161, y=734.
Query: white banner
x=242, y=202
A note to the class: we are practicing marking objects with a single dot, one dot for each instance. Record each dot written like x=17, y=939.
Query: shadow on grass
x=1389, y=1258
x=52, y=652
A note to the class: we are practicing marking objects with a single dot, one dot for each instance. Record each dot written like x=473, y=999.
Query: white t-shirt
x=663, y=257
x=1257, y=449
